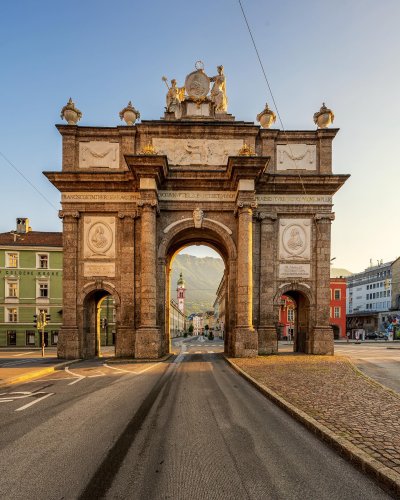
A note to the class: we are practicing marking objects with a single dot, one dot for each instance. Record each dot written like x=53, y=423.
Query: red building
x=337, y=312
x=338, y=307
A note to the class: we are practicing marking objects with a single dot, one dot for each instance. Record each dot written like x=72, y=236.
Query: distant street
x=380, y=361
x=188, y=428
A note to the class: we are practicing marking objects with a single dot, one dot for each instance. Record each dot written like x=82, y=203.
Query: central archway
x=183, y=234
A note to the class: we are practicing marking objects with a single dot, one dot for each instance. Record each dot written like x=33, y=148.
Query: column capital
x=324, y=218
x=132, y=214
x=266, y=217
x=69, y=214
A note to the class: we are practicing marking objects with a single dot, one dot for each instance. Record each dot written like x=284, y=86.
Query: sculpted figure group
x=176, y=95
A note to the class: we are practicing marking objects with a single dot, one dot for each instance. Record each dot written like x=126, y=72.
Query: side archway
x=302, y=327
x=90, y=301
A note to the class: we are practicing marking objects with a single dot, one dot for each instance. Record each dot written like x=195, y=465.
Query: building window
x=12, y=289
x=336, y=312
x=11, y=337
x=30, y=337
x=337, y=294
x=12, y=315
x=290, y=315
x=54, y=337
x=12, y=259
x=42, y=260
x=43, y=290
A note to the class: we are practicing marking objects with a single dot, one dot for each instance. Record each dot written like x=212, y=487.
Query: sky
x=103, y=54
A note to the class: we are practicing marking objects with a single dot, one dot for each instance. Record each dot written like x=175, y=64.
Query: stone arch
x=186, y=224
x=210, y=233
x=302, y=296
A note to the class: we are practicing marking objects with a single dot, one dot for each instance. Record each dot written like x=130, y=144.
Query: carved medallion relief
x=98, y=154
x=295, y=239
x=197, y=151
x=99, y=238
x=296, y=156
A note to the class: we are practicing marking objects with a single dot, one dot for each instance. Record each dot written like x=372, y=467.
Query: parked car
x=371, y=335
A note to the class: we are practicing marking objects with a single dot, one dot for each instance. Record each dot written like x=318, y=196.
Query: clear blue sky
x=104, y=53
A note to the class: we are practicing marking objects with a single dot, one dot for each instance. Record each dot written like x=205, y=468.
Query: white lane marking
x=34, y=402
x=101, y=374
x=129, y=371
x=75, y=375
x=211, y=352
x=24, y=353
x=199, y=352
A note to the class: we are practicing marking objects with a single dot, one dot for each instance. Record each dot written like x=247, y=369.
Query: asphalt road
x=379, y=361
x=190, y=428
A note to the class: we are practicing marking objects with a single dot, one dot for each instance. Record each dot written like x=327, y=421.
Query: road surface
x=190, y=428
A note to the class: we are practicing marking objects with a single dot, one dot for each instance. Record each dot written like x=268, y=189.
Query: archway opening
x=99, y=324
x=294, y=314
x=197, y=284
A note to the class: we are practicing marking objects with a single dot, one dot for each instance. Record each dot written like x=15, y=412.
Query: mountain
x=339, y=273
x=202, y=276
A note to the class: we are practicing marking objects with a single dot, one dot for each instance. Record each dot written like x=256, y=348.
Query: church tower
x=181, y=294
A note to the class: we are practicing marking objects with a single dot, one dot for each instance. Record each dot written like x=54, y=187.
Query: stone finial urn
x=129, y=114
x=267, y=117
x=70, y=113
x=324, y=117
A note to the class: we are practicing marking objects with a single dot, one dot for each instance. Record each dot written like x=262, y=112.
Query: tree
x=191, y=329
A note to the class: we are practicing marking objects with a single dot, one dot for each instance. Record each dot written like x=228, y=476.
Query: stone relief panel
x=197, y=151
x=98, y=154
x=99, y=238
x=295, y=239
x=296, y=157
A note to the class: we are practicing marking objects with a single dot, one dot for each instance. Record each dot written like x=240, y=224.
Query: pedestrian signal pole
x=40, y=321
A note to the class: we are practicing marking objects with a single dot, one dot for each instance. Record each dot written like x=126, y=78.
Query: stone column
x=69, y=344
x=125, y=331
x=321, y=339
x=148, y=341
x=267, y=337
x=245, y=342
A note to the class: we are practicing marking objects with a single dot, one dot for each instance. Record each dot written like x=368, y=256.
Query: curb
x=35, y=374
x=388, y=479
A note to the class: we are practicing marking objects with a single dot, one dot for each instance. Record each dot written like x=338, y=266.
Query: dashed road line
x=24, y=353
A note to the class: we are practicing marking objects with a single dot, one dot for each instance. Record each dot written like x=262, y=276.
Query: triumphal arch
x=134, y=195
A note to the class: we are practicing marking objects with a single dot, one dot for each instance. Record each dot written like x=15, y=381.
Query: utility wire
x=28, y=181
x=270, y=91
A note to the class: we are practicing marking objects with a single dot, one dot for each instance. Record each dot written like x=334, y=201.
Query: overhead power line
x=29, y=182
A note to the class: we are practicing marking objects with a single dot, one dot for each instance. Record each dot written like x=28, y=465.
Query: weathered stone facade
x=125, y=214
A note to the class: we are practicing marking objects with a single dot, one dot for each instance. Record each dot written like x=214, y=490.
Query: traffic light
x=35, y=320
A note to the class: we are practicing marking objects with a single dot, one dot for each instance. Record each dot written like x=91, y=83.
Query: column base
x=267, y=340
x=321, y=341
x=148, y=343
x=68, y=346
x=125, y=342
x=244, y=342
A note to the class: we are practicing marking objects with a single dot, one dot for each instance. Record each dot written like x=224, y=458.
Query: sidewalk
x=355, y=414
x=18, y=367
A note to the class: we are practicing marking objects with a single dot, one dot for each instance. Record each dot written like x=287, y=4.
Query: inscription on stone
x=98, y=196
x=98, y=154
x=97, y=269
x=293, y=199
x=197, y=195
x=294, y=270
x=294, y=239
x=296, y=157
x=197, y=151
